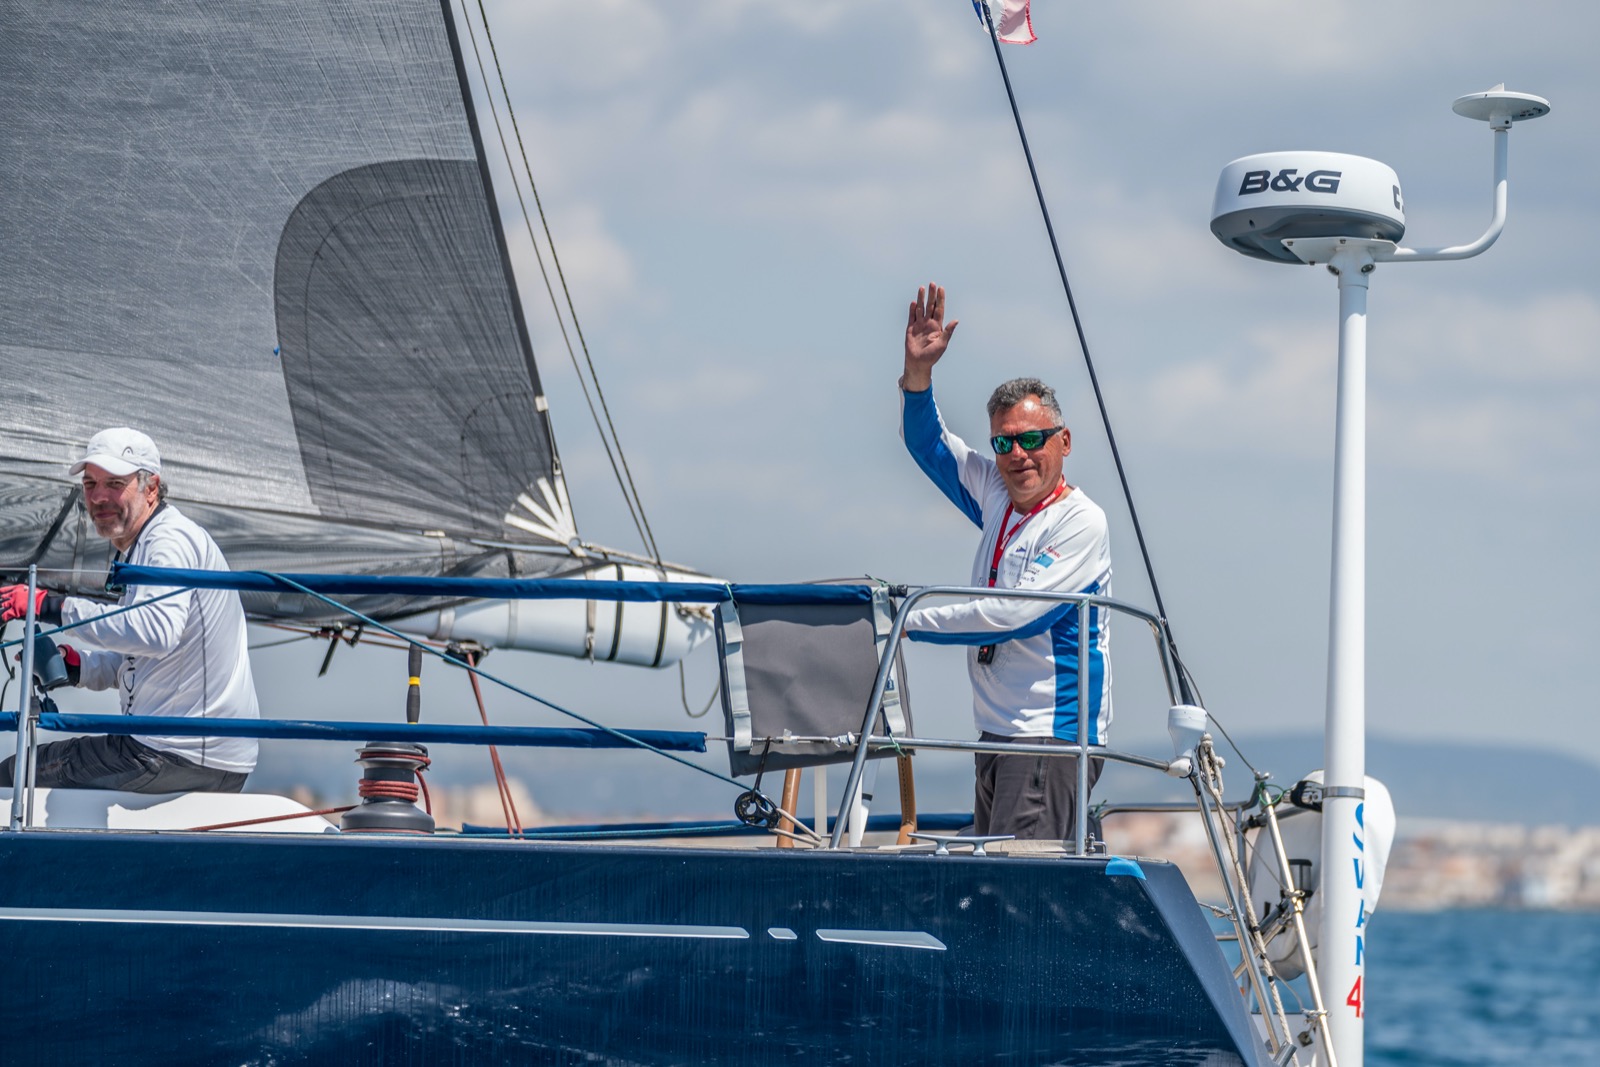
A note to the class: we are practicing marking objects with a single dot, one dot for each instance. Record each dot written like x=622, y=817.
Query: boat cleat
x=944, y=841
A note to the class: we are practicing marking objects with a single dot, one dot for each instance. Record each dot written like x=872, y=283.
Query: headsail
x=262, y=233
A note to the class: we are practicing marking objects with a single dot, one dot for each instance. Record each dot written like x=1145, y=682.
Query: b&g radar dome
x=1265, y=198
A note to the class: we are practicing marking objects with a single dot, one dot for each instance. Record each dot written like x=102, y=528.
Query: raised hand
x=927, y=337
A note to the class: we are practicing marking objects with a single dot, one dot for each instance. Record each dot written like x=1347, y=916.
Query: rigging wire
x=683, y=694
x=1083, y=343
x=608, y=432
x=42, y=630
x=1237, y=751
x=280, y=643
x=539, y=258
x=507, y=804
x=308, y=633
x=5, y=661
x=481, y=673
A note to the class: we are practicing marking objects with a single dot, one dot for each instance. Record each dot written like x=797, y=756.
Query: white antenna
x=1347, y=212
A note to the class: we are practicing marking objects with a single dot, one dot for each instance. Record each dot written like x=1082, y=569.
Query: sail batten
x=262, y=233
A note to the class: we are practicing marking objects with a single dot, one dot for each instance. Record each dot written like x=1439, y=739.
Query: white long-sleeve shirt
x=186, y=656
x=1030, y=686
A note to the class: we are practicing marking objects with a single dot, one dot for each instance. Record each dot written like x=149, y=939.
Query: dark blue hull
x=455, y=951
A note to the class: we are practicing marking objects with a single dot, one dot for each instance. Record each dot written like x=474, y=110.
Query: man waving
x=1039, y=533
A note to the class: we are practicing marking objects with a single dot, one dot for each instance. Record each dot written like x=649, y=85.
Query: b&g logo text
x=1285, y=181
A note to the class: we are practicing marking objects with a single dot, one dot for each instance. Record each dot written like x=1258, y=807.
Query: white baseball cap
x=119, y=452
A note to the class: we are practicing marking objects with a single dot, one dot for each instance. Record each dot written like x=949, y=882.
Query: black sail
x=262, y=233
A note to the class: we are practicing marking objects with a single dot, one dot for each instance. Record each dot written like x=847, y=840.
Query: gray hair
x=1010, y=394
x=161, y=483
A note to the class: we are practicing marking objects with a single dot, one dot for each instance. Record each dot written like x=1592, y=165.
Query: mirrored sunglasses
x=1030, y=440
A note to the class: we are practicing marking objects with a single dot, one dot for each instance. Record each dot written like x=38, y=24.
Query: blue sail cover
x=261, y=232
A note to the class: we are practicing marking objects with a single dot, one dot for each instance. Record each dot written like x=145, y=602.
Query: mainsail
x=262, y=232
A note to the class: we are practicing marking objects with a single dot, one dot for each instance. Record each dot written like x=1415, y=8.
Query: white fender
x=1302, y=840
x=645, y=634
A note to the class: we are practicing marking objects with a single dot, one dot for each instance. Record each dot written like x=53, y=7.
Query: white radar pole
x=1347, y=213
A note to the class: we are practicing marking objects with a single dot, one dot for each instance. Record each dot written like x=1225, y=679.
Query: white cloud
x=1454, y=386
x=1276, y=396
x=692, y=392
x=603, y=44
x=1548, y=340
x=1267, y=40
x=598, y=267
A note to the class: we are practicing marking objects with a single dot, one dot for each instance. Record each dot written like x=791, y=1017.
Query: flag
x=1011, y=22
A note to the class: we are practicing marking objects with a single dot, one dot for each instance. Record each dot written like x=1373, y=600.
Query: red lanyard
x=1004, y=538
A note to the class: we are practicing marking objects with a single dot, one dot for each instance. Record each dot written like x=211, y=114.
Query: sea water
x=1483, y=988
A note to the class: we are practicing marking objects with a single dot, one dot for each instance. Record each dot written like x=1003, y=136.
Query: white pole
x=861, y=802
x=1340, y=943
x=1341, y=940
x=21, y=762
x=819, y=799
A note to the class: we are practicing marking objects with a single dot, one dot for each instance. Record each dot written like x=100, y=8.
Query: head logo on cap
x=119, y=452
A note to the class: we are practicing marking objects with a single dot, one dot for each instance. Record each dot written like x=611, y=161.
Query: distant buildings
x=1439, y=864
x=1435, y=865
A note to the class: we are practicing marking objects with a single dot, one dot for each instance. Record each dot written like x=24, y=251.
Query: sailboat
x=337, y=366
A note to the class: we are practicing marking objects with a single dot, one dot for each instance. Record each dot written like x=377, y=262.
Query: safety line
x=104, y=615
x=480, y=672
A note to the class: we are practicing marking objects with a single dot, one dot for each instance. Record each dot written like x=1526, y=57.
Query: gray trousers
x=1029, y=797
x=123, y=764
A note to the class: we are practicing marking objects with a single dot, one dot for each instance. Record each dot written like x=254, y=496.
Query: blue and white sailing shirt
x=1030, y=686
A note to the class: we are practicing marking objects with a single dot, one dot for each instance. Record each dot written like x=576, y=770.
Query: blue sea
x=1477, y=988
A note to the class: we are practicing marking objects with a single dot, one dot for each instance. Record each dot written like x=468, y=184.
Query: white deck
x=96, y=809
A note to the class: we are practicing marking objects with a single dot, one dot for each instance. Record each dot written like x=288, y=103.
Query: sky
x=745, y=196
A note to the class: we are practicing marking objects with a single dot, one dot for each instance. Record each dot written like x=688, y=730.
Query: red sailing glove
x=14, y=602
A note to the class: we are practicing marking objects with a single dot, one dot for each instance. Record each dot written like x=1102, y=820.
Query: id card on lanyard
x=1003, y=541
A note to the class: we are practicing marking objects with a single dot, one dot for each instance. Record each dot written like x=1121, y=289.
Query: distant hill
x=1427, y=779
x=1454, y=780
x=1447, y=780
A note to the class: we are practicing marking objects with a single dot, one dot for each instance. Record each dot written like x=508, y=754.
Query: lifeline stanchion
x=25, y=733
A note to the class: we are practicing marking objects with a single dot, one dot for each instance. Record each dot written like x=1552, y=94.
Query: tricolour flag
x=1011, y=22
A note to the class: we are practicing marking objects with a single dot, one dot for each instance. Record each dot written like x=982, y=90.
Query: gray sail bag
x=805, y=671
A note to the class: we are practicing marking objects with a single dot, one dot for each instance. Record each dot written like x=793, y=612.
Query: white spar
x=644, y=634
x=1348, y=213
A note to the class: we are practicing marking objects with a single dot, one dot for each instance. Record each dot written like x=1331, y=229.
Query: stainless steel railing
x=1083, y=750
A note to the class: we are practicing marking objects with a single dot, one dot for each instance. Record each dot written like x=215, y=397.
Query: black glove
x=56, y=665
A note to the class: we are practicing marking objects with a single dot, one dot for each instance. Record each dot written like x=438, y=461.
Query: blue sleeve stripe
x=994, y=637
x=925, y=441
x=1097, y=674
x=1065, y=646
